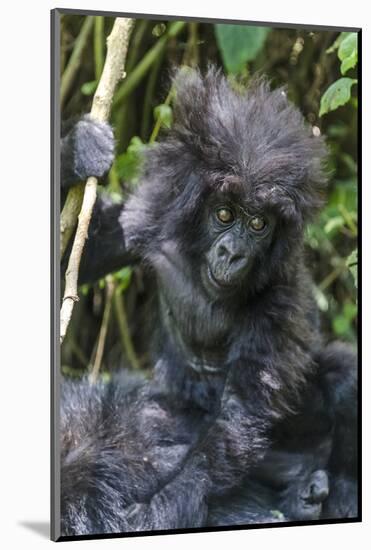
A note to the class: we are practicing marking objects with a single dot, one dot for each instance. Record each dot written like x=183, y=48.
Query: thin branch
x=126, y=340
x=158, y=123
x=117, y=46
x=98, y=45
x=141, y=27
x=148, y=97
x=69, y=215
x=110, y=287
x=78, y=352
x=135, y=77
x=75, y=59
x=348, y=219
x=191, y=56
x=333, y=275
x=185, y=61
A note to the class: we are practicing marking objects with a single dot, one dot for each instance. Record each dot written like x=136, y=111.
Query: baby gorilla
x=291, y=482
x=219, y=218
x=299, y=499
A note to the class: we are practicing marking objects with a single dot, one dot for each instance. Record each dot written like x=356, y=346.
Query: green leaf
x=336, y=95
x=341, y=325
x=348, y=63
x=350, y=163
x=344, y=193
x=277, y=514
x=342, y=36
x=348, y=52
x=84, y=289
x=333, y=224
x=338, y=130
x=350, y=310
x=101, y=283
x=239, y=44
x=106, y=377
x=128, y=164
x=123, y=277
x=88, y=88
x=159, y=29
x=164, y=113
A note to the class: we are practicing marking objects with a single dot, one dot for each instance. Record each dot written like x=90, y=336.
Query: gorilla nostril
x=222, y=251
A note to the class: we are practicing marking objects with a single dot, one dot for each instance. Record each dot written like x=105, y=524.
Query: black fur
x=123, y=441
x=87, y=149
x=236, y=345
x=120, y=449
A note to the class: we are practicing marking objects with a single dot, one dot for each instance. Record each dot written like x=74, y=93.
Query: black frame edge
x=55, y=273
x=159, y=17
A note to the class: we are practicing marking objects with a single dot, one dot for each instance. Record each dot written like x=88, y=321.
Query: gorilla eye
x=257, y=223
x=225, y=215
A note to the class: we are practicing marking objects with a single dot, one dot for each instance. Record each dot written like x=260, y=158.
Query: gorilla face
x=238, y=237
x=232, y=184
x=303, y=500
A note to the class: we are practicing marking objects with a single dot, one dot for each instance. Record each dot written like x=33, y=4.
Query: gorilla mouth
x=215, y=282
x=307, y=504
x=311, y=510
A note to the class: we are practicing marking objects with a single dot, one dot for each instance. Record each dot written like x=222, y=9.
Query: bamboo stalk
x=117, y=46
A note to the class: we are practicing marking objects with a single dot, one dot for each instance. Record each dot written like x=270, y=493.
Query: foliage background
x=320, y=71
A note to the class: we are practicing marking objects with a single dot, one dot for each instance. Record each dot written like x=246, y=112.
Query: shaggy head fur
x=252, y=146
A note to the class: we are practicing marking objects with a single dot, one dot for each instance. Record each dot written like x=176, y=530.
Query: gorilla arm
x=87, y=149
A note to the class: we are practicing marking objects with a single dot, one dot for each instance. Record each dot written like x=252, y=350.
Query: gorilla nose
x=319, y=486
x=235, y=259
